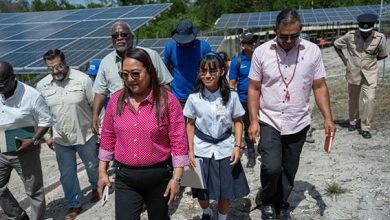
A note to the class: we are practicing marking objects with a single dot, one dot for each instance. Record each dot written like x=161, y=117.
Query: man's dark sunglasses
x=134, y=74
x=291, y=36
x=121, y=34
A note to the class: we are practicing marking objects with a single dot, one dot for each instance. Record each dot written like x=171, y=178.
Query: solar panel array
x=308, y=17
x=81, y=34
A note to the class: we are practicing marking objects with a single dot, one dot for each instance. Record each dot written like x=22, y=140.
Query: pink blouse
x=135, y=138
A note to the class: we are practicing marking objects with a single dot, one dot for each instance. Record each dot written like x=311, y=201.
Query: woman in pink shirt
x=144, y=133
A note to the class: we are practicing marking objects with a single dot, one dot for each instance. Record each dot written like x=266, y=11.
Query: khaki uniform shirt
x=70, y=102
x=108, y=80
x=362, y=55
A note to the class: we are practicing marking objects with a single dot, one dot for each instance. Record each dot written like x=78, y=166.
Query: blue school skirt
x=224, y=181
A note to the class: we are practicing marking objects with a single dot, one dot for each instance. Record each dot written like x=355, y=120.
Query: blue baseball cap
x=93, y=67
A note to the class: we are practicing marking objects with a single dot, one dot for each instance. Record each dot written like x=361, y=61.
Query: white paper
x=105, y=195
x=194, y=177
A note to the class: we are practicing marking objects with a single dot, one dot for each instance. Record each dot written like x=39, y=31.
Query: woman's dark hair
x=158, y=92
x=287, y=16
x=212, y=61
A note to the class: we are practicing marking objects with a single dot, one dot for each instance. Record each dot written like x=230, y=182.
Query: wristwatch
x=35, y=141
x=177, y=179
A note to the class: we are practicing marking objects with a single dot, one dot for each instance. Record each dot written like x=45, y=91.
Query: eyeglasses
x=213, y=72
x=120, y=34
x=136, y=74
x=291, y=36
x=6, y=82
x=57, y=67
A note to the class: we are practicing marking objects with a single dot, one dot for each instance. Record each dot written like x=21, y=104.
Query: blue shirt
x=213, y=118
x=183, y=63
x=241, y=76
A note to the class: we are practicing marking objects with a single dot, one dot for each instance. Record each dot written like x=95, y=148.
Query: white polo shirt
x=26, y=107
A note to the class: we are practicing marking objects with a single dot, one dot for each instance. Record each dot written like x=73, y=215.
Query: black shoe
x=251, y=162
x=206, y=217
x=94, y=196
x=267, y=212
x=284, y=214
x=366, y=134
x=352, y=127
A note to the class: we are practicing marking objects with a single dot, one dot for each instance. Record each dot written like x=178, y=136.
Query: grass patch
x=334, y=188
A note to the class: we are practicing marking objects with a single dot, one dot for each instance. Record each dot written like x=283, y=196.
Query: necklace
x=287, y=96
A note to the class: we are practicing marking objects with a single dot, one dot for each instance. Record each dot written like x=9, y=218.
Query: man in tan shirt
x=69, y=94
x=364, y=48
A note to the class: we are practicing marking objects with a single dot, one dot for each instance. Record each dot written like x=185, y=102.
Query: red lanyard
x=287, y=96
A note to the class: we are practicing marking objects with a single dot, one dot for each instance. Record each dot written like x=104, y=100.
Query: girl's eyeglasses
x=291, y=37
x=57, y=67
x=136, y=74
x=213, y=72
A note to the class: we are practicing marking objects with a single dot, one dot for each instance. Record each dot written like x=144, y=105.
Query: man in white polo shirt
x=22, y=106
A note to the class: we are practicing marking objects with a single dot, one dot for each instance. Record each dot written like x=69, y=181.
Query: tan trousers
x=368, y=99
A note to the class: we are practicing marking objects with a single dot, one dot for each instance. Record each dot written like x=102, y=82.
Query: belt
x=164, y=164
x=209, y=139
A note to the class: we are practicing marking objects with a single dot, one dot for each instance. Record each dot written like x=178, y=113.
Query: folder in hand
x=329, y=142
x=8, y=141
x=194, y=178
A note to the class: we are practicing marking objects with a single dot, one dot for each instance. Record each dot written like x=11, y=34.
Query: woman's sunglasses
x=134, y=74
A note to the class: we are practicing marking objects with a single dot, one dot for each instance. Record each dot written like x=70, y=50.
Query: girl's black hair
x=212, y=60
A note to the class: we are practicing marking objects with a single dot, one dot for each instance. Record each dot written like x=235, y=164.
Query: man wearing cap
x=182, y=55
x=22, y=106
x=108, y=80
x=238, y=76
x=93, y=69
x=364, y=48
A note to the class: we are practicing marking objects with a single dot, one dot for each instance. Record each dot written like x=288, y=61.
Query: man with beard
x=282, y=74
x=68, y=92
x=108, y=80
x=22, y=106
x=364, y=48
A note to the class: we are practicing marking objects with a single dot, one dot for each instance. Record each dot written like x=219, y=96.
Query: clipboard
x=194, y=178
x=8, y=142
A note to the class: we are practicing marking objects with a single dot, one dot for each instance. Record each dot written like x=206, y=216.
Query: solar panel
x=308, y=16
x=82, y=34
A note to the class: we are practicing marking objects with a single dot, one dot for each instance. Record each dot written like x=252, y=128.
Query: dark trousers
x=280, y=160
x=249, y=144
x=136, y=186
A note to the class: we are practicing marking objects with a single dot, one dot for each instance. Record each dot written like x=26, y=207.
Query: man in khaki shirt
x=364, y=48
x=69, y=94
